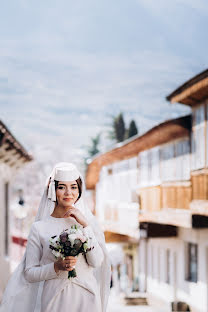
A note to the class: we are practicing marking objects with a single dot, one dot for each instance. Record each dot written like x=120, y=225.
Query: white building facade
x=117, y=209
x=12, y=158
x=167, y=181
x=174, y=267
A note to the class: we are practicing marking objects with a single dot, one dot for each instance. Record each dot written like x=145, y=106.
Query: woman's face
x=67, y=193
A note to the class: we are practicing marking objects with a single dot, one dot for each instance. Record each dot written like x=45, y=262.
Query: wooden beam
x=199, y=221
x=7, y=154
x=3, y=138
x=111, y=237
x=158, y=230
x=189, y=91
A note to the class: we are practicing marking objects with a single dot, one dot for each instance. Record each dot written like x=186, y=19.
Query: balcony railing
x=122, y=218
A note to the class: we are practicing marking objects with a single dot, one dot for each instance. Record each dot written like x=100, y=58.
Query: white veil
x=20, y=295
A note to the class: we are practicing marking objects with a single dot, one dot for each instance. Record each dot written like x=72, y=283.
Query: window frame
x=191, y=260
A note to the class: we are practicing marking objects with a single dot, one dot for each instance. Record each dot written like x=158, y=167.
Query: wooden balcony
x=167, y=204
x=199, y=181
x=150, y=198
x=176, y=195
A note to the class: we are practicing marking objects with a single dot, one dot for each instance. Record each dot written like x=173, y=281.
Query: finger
x=72, y=213
x=69, y=266
x=69, y=215
x=71, y=209
x=70, y=260
x=70, y=263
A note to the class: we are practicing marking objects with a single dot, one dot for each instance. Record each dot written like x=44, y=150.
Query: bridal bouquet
x=70, y=242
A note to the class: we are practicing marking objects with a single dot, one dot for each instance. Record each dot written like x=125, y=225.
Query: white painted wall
x=142, y=262
x=6, y=175
x=195, y=294
x=4, y=259
x=115, y=194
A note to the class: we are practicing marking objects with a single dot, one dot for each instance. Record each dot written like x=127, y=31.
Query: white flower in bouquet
x=57, y=254
x=71, y=238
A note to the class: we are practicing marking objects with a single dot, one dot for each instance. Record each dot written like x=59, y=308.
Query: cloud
x=174, y=6
x=49, y=106
x=66, y=67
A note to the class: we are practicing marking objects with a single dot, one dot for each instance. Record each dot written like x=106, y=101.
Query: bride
x=40, y=283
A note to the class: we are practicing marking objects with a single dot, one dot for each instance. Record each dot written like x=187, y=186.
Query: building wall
x=5, y=239
x=164, y=176
x=117, y=202
x=167, y=263
x=143, y=258
x=182, y=176
x=115, y=196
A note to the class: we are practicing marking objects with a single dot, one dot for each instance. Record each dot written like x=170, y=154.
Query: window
x=182, y=151
x=149, y=167
x=155, y=166
x=143, y=168
x=198, y=139
x=158, y=264
x=192, y=262
x=152, y=261
x=132, y=163
x=168, y=162
x=167, y=266
x=175, y=161
x=110, y=171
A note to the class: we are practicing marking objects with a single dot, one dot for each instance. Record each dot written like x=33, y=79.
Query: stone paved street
x=115, y=305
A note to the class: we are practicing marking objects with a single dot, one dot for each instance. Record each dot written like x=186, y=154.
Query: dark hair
x=79, y=184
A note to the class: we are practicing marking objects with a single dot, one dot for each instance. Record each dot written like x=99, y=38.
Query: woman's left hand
x=77, y=214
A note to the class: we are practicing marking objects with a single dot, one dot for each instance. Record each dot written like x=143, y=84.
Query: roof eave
x=192, y=92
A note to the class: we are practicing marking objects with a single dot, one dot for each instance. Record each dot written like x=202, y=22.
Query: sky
x=67, y=66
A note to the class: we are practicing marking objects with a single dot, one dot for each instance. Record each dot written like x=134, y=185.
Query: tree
x=118, y=131
x=120, y=128
x=93, y=148
x=132, y=129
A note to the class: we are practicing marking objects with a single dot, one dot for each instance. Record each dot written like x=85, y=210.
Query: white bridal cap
x=65, y=173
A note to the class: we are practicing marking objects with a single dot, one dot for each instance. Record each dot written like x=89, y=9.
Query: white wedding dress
x=79, y=294
x=34, y=286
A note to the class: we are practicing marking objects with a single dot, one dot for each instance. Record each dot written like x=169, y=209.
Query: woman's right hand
x=68, y=264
